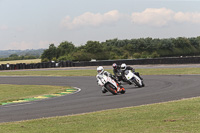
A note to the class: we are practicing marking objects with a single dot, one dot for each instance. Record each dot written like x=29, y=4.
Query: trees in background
x=123, y=49
x=49, y=54
x=20, y=57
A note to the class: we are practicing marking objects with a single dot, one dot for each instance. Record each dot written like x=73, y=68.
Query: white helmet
x=100, y=70
x=123, y=66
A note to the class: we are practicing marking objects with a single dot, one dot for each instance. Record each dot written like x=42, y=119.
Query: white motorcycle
x=110, y=85
x=132, y=78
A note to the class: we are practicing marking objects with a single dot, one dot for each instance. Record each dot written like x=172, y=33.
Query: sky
x=34, y=24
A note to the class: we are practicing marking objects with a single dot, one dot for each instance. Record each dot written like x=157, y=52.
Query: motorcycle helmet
x=100, y=70
x=114, y=65
x=123, y=66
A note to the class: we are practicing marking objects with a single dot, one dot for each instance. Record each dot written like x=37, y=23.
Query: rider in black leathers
x=117, y=72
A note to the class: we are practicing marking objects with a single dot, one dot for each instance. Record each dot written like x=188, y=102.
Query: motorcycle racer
x=117, y=72
x=124, y=67
x=101, y=72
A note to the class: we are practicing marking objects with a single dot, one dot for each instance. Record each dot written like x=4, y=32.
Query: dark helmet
x=114, y=65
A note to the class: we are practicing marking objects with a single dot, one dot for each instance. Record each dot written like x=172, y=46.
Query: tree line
x=123, y=49
x=20, y=57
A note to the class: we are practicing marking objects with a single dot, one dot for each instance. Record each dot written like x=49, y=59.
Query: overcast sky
x=34, y=24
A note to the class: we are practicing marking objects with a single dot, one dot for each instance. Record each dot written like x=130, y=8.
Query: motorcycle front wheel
x=137, y=83
x=143, y=85
x=111, y=88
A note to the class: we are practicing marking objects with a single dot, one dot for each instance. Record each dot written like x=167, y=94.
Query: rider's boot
x=122, y=90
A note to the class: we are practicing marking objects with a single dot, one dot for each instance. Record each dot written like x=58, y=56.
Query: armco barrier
x=173, y=60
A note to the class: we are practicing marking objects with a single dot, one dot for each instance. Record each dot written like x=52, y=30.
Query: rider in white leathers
x=101, y=72
x=124, y=67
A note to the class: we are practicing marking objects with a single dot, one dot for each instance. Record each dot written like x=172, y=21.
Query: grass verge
x=153, y=71
x=10, y=93
x=177, y=116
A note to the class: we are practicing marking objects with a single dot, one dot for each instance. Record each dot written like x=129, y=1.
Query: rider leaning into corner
x=117, y=72
x=124, y=67
x=101, y=72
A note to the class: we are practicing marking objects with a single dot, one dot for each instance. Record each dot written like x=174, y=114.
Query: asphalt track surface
x=89, y=99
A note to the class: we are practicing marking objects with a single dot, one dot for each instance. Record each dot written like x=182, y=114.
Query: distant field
x=21, y=61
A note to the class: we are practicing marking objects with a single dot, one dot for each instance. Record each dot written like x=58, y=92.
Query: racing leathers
x=100, y=75
x=118, y=73
x=133, y=70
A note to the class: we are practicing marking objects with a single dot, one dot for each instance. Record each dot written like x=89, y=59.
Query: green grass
x=153, y=71
x=21, y=61
x=169, y=71
x=15, y=92
x=50, y=73
x=177, y=116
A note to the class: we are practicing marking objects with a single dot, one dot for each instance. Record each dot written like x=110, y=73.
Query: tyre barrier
x=168, y=60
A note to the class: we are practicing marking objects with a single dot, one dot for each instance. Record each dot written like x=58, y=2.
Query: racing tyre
x=136, y=82
x=143, y=85
x=111, y=88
